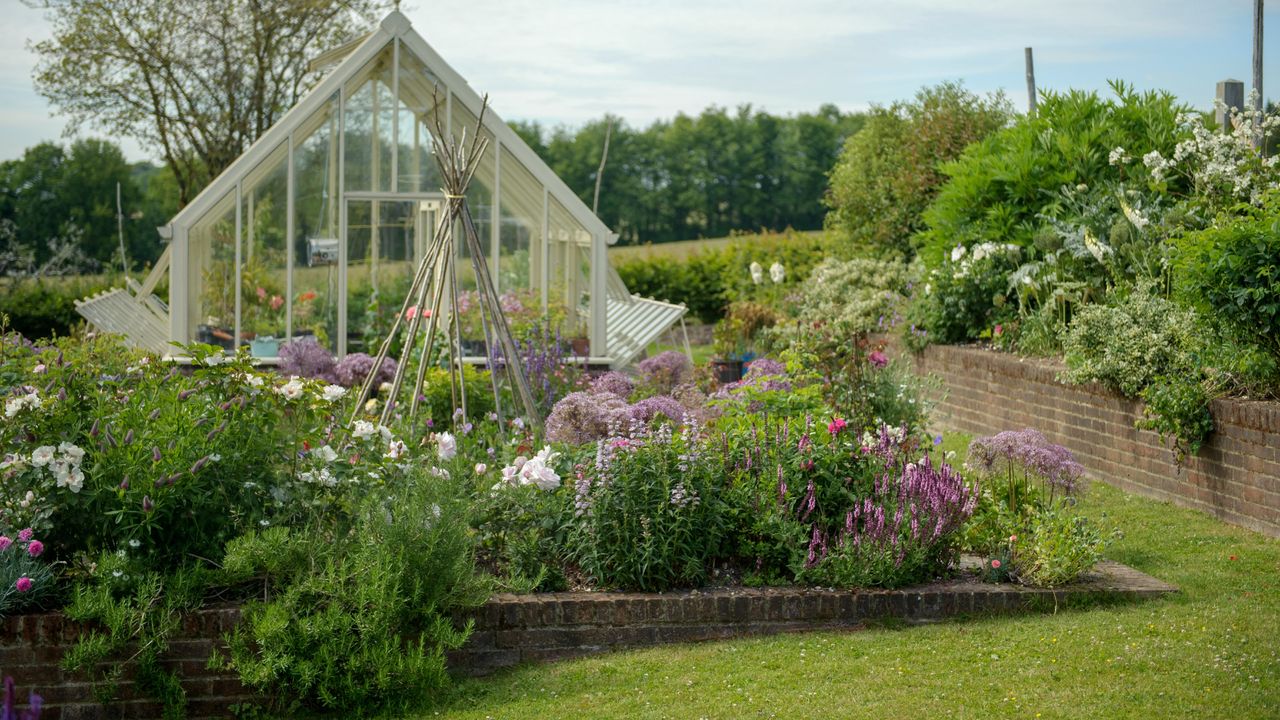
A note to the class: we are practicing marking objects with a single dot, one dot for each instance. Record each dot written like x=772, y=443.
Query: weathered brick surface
x=513, y=629
x=1234, y=477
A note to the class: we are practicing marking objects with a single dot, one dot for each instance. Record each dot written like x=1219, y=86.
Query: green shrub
x=649, y=514
x=888, y=171
x=358, y=623
x=964, y=297
x=1231, y=272
x=46, y=307
x=859, y=295
x=442, y=396
x=1057, y=548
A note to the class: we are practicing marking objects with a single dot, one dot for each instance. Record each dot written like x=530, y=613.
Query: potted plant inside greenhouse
x=729, y=343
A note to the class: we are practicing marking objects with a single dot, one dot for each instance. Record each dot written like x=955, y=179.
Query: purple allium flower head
x=649, y=408
x=354, y=368
x=614, y=382
x=306, y=357
x=583, y=417
x=762, y=367
x=1030, y=450
x=665, y=370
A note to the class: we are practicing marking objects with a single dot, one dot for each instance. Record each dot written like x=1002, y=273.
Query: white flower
x=979, y=252
x=291, y=390
x=15, y=405
x=215, y=457
x=71, y=452
x=439, y=472
x=384, y=387
x=333, y=393
x=481, y=468
x=777, y=273
x=363, y=429
x=135, y=543
x=26, y=501
x=213, y=360
x=385, y=433
x=39, y=369
x=396, y=449
x=446, y=446
x=371, y=406
x=957, y=252
x=1135, y=217
x=757, y=273
x=42, y=456
x=72, y=481
x=326, y=454
x=254, y=380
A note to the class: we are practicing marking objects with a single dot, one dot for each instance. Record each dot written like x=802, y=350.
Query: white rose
x=291, y=390
x=326, y=454
x=957, y=253
x=396, y=449
x=363, y=429
x=333, y=393
x=446, y=446
x=72, y=452
x=42, y=456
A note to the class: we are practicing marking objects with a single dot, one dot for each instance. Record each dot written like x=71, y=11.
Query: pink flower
x=1013, y=538
x=995, y=564
x=26, y=534
x=35, y=548
x=836, y=426
x=998, y=331
x=276, y=302
x=262, y=294
x=877, y=359
x=5, y=542
x=412, y=312
x=23, y=584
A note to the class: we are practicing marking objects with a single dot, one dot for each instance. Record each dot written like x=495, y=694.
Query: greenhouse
x=317, y=229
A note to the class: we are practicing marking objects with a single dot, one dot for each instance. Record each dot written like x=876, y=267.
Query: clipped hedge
x=46, y=307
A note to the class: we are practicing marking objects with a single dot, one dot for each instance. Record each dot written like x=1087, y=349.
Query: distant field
x=685, y=248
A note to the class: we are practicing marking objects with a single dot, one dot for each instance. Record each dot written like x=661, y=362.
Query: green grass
x=684, y=248
x=1210, y=651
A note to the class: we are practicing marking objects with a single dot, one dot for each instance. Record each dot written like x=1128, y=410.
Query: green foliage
x=1178, y=409
x=45, y=307
x=1128, y=342
x=999, y=189
x=888, y=171
x=964, y=297
x=701, y=176
x=361, y=622
x=1058, y=547
x=1231, y=271
x=441, y=394
x=858, y=295
x=650, y=514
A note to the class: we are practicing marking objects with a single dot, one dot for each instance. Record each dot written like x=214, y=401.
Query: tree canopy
x=196, y=81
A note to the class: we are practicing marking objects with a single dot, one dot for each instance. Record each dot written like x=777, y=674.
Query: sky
x=569, y=61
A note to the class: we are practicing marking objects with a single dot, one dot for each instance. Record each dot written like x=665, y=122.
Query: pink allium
x=23, y=584
x=836, y=426
x=5, y=542
x=877, y=358
x=26, y=534
x=995, y=564
x=35, y=548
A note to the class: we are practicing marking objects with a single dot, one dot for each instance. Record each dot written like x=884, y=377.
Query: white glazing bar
x=289, y=244
x=395, y=117
x=599, y=271
x=544, y=245
x=235, y=343
x=179, y=291
x=495, y=217
x=341, y=323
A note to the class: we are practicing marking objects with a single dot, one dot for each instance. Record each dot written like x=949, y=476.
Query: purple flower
x=665, y=370
x=761, y=367
x=5, y=542
x=147, y=505
x=1030, y=451
x=26, y=534
x=614, y=382
x=305, y=357
x=649, y=408
x=23, y=584
x=35, y=548
x=583, y=417
x=877, y=359
x=352, y=370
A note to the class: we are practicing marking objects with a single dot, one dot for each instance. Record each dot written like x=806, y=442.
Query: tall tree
x=197, y=80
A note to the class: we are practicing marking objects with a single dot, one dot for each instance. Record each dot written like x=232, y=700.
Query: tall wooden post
x=1257, y=73
x=1031, y=83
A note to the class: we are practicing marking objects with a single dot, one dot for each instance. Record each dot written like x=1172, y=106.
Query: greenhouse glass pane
x=211, y=275
x=382, y=241
x=479, y=193
x=263, y=270
x=367, y=126
x=520, y=198
x=421, y=94
x=315, y=227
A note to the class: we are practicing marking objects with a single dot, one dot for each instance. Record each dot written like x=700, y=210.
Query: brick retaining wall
x=1235, y=476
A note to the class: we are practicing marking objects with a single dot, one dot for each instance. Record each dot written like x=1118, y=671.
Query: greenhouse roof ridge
x=394, y=25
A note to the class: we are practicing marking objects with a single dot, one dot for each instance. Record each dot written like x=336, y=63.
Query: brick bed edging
x=1235, y=476
x=512, y=629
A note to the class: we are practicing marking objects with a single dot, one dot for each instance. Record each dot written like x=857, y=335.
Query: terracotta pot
x=581, y=346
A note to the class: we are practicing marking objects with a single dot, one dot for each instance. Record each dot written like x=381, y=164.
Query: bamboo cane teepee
x=433, y=296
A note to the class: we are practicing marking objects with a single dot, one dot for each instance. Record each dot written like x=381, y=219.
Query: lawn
x=682, y=249
x=1209, y=652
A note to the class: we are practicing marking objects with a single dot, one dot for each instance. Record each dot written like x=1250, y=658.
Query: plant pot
x=726, y=371
x=581, y=346
x=264, y=347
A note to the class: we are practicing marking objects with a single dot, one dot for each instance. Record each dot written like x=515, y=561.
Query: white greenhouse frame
x=619, y=328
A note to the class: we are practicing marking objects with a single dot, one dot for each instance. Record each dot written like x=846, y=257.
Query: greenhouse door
x=384, y=242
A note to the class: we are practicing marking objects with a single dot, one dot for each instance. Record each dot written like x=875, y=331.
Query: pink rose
x=23, y=584
x=35, y=548
x=836, y=426
x=995, y=564
x=998, y=331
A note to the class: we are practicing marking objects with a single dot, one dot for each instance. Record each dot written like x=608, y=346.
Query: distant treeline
x=702, y=176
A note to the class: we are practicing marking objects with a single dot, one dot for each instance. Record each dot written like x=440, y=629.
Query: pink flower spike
x=23, y=584
x=26, y=534
x=35, y=548
x=5, y=542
